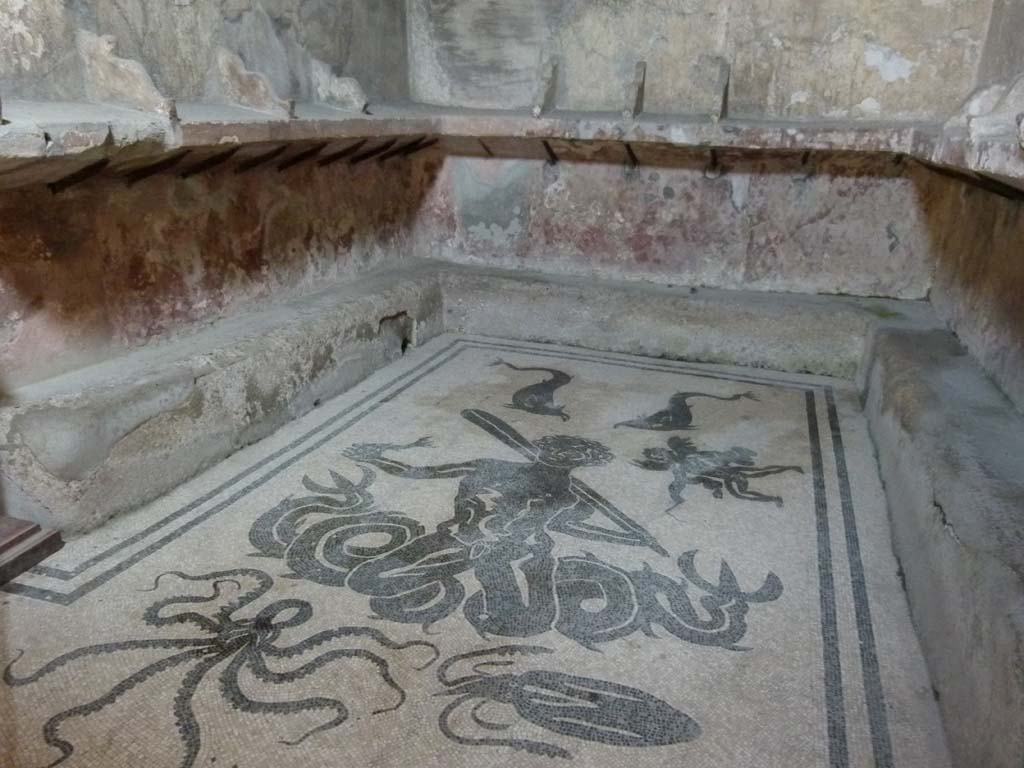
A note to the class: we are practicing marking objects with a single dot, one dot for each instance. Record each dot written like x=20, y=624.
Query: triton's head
x=570, y=451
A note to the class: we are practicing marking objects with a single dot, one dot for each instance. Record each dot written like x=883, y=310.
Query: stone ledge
x=823, y=335
x=950, y=446
x=90, y=444
x=105, y=439
x=45, y=142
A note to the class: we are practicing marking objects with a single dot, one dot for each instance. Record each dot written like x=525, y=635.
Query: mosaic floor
x=493, y=553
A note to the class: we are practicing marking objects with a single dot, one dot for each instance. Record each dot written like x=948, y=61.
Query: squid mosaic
x=582, y=708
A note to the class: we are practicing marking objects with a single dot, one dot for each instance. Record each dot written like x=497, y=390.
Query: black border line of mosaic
x=874, y=693
x=835, y=708
x=63, y=574
x=62, y=598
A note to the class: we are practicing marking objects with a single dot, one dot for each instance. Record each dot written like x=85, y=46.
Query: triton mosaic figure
x=500, y=500
x=507, y=514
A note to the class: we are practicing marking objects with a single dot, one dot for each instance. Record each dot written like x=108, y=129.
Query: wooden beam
x=24, y=545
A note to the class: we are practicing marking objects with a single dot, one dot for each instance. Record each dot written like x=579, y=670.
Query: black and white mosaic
x=480, y=555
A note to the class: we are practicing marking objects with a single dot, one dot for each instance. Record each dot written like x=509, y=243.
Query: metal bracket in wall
x=371, y=153
x=635, y=92
x=341, y=154
x=400, y=149
x=82, y=174
x=303, y=156
x=3, y=120
x=487, y=150
x=631, y=157
x=713, y=170
x=209, y=163
x=407, y=150
x=552, y=157
x=133, y=177
x=255, y=162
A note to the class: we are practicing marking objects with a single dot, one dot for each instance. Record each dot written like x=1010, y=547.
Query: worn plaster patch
x=870, y=106
x=890, y=64
x=20, y=41
x=739, y=190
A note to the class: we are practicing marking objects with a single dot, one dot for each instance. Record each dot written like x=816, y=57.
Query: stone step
x=951, y=449
x=103, y=440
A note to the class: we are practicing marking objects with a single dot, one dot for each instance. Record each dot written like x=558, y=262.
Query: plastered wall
x=816, y=223
x=829, y=59
x=978, y=251
x=175, y=40
x=105, y=267
x=813, y=223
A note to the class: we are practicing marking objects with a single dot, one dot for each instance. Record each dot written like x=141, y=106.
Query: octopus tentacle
x=260, y=669
x=478, y=668
x=323, y=637
x=263, y=584
x=184, y=716
x=232, y=691
x=475, y=714
x=503, y=650
x=52, y=726
x=152, y=614
x=95, y=650
x=533, y=747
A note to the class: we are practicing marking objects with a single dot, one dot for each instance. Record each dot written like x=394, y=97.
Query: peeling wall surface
x=38, y=58
x=832, y=59
x=177, y=41
x=165, y=255
x=821, y=223
x=105, y=267
x=1003, y=55
x=978, y=246
x=813, y=223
